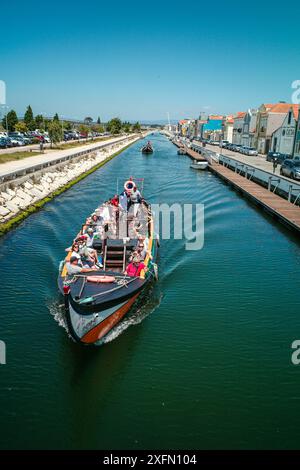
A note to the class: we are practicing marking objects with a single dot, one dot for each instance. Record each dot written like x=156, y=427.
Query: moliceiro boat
x=110, y=263
x=147, y=148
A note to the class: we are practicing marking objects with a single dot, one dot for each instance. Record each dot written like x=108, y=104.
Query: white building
x=249, y=127
x=228, y=129
x=269, y=118
x=238, y=125
x=283, y=138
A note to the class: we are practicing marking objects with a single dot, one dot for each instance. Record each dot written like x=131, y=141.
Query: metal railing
x=32, y=169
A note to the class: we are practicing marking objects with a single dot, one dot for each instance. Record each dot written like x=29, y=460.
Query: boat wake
x=144, y=307
x=58, y=312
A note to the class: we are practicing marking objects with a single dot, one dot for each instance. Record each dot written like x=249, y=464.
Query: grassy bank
x=17, y=219
x=74, y=144
x=8, y=157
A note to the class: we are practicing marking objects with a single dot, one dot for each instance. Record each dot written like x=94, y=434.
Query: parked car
x=6, y=142
x=291, y=168
x=227, y=146
x=3, y=143
x=280, y=157
x=214, y=142
x=251, y=151
x=271, y=156
x=235, y=147
x=223, y=143
x=16, y=142
x=242, y=149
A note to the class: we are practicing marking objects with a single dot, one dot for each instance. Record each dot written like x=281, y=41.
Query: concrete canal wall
x=30, y=190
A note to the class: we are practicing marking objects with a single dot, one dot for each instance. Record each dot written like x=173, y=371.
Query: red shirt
x=133, y=270
x=115, y=201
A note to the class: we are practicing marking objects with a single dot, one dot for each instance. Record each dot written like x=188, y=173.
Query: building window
x=290, y=117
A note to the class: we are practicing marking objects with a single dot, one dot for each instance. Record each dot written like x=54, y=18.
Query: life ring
x=100, y=279
x=129, y=186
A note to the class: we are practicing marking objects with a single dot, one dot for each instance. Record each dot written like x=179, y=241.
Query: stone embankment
x=25, y=193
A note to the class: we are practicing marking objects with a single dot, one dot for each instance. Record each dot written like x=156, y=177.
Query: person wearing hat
x=74, y=268
x=135, y=267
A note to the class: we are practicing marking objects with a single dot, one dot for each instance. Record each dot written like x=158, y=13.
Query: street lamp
x=7, y=108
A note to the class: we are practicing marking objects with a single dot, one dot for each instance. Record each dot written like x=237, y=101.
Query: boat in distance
x=197, y=165
x=116, y=250
x=147, y=148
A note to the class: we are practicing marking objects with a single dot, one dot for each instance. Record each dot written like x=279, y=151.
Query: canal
x=204, y=362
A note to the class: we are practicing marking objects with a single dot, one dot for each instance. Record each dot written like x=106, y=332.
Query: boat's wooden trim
x=105, y=326
x=148, y=256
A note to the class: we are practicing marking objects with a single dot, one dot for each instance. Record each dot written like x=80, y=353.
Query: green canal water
x=204, y=362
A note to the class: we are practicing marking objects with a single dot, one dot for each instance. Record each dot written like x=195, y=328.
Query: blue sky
x=138, y=60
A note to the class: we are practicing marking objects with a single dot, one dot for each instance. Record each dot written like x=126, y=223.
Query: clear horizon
x=140, y=62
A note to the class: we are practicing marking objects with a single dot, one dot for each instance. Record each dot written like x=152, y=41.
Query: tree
x=21, y=127
x=88, y=120
x=114, y=126
x=126, y=127
x=29, y=119
x=99, y=121
x=39, y=121
x=83, y=129
x=67, y=125
x=46, y=124
x=55, y=132
x=10, y=120
x=136, y=127
x=98, y=129
x=56, y=118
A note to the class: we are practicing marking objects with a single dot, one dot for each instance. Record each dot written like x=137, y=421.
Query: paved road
x=258, y=162
x=15, y=165
x=36, y=147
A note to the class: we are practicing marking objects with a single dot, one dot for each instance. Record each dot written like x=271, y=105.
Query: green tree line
x=30, y=122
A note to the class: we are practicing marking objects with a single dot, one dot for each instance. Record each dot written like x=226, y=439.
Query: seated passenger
x=135, y=267
x=90, y=237
x=89, y=256
x=95, y=220
x=75, y=253
x=74, y=268
x=115, y=201
x=143, y=244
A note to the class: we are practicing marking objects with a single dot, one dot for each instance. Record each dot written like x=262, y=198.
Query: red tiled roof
x=215, y=117
x=295, y=110
x=281, y=108
x=239, y=115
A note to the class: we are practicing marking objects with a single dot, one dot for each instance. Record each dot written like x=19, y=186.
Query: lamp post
x=6, y=123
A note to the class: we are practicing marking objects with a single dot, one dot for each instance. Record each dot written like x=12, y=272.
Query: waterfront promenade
x=51, y=157
x=253, y=177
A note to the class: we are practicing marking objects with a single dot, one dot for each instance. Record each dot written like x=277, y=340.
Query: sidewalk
x=258, y=161
x=26, y=163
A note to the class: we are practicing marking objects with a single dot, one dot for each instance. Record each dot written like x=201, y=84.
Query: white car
x=16, y=142
x=250, y=151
